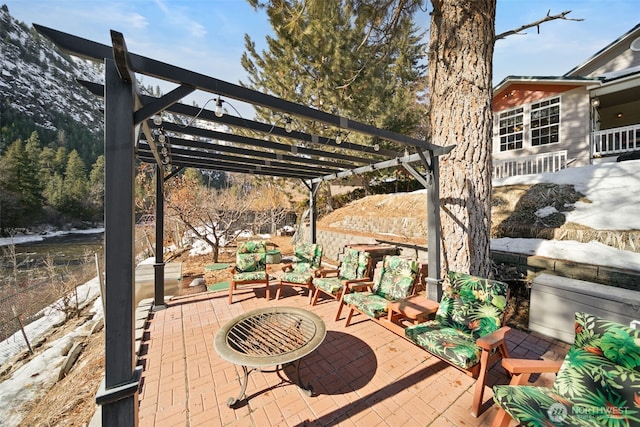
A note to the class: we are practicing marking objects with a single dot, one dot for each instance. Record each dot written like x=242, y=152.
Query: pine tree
x=96, y=188
x=326, y=57
x=75, y=189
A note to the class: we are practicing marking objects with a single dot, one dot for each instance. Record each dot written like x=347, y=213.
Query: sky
x=207, y=36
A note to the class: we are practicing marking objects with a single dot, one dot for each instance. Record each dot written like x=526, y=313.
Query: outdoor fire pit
x=274, y=336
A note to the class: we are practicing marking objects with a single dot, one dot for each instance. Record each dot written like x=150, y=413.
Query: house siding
x=574, y=122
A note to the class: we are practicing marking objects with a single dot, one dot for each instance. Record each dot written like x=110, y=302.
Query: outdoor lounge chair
x=354, y=267
x=598, y=384
x=468, y=330
x=395, y=279
x=308, y=257
x=251, y=266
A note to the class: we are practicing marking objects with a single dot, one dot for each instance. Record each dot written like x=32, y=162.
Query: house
x=589, y=115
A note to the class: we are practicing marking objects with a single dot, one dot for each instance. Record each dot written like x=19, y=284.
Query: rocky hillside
x=38, y=87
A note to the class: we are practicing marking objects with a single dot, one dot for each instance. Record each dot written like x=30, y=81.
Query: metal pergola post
x=118, y=395
x=434, y=282
x=159, y=264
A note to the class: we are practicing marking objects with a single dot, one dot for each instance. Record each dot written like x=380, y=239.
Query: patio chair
x=468, y=331
x=251, y=266
x=354, y=267
x=598, y=383
x=395, y=279
x=308, y=257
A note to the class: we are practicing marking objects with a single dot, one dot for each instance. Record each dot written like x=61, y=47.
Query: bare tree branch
x=549, y=17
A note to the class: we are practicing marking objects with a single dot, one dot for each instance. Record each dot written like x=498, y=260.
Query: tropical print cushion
x=252, y=246
x=329, y=285
x=297, y=277
x=597, y=385
x=451, y=344
x=397, y=278
x=309, y=254
x=246, y=262
x=250, y=276
x=471, y=307
x=354, y=265
x=472, y=304
x=395, y=281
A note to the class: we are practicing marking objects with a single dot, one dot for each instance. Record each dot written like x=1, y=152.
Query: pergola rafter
x=206, y=140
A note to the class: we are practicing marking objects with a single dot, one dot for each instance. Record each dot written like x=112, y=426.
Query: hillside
x=38, y=91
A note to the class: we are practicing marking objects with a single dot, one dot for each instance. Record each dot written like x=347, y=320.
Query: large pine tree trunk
x=460, y=74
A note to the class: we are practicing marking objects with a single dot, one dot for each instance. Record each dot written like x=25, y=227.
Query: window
x=545, y=122
x=511, y=133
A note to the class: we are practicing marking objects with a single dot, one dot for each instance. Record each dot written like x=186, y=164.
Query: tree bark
x=460, y=83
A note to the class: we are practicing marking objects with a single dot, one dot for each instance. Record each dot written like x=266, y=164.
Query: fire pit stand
x=274, y=336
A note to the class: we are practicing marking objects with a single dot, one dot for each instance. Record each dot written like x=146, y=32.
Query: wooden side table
x=416, y=308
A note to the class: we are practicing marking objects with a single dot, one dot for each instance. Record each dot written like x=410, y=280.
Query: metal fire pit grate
x=272, y=336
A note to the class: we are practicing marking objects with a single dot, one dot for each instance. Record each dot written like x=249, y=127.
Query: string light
x=157, y=120
x=288, y=126
x=376, y=147
x=339, y=138
x=218, y=111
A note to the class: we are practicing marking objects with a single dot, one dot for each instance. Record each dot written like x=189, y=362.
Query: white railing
x=615, y=141
x=527, y=165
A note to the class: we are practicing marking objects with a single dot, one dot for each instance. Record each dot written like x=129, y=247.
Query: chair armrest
x=493, y=340
x=528, y=366
x=361, y=280
x=359, y=286
x=324, y=272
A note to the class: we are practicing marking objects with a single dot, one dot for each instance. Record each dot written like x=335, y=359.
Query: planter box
x=555, y=300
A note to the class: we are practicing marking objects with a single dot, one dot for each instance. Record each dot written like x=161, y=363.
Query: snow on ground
x=26, y=238
x=611, y=189
x=33, y=379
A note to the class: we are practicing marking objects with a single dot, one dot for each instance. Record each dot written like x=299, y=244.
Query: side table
x=416, y=308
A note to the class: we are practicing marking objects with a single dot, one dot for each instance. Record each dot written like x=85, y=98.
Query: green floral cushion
x=251, y=256
x=251, y=262
x=354, y=265
x=296, y=277
x=250, y=276
x=471, y=307
x=309, y=254
x=252, y=246
x=395, y=281
x=597, y=385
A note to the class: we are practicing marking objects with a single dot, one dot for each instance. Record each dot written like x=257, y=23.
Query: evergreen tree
x=96, y=188
x=20, y=190
x=75, y=188
x=327, y=57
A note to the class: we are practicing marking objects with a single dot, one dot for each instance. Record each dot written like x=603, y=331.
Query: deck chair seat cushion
x=329, y=285
x=250, y=276
x=368, y=303
x=471, y=307
x=598, y=383
x=452, y=344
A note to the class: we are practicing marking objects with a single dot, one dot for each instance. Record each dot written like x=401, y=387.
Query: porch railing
x=615, y=141
x=527, y=165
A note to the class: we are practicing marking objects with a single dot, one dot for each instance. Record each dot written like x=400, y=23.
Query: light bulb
x=219, y=112
x=162, y=138
x=376, y=147
x=157, y=120
x=339, y=138
x=288, y=126
x=164, y=151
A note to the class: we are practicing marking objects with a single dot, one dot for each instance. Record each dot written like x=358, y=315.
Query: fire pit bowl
x=273, y=336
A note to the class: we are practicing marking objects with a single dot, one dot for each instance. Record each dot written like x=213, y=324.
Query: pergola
x=132, y=134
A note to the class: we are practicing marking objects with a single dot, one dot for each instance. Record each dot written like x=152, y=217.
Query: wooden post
x=24, y=333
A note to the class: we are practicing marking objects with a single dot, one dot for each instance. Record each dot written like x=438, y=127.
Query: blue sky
x=207, y=36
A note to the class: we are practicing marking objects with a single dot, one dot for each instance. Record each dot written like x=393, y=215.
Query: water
x=68, y=250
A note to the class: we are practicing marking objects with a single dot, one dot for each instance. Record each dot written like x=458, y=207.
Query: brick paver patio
x=363, y=375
